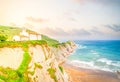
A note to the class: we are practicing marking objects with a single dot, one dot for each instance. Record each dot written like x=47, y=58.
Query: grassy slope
x=50, y=41
x=11, y=31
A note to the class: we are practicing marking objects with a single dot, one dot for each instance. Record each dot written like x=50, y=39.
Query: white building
x=24, y=35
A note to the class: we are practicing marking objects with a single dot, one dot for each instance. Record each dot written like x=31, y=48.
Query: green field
x=11, y=31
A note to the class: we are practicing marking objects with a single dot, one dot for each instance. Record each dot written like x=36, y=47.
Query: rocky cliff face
x=63, y=50
x=38, y=63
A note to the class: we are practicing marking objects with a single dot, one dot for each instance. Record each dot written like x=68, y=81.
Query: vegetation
x=18, y=75
x=9, y=75
x=61, y=69
x=3, y=38
x=25, y=62
x=61, y=44
x=11, y=31
x=38, y=65
x=23, y=44
x=52, y=73
x=50, y=41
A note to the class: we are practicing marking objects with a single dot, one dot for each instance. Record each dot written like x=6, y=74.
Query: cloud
x=13, y=24
x=75, y=34
x=105, y=2
x=69, y=15
x=71, y=19
x=109, y=2
x=36, y=20
x=80, y=32
x=95, y=30
x=114, y=27
x=53, y=31
x=29, y=26
x=62, y=34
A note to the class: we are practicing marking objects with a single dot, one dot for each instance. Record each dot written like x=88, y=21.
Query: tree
x=3, y=38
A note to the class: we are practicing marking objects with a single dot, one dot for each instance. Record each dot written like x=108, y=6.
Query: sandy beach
x=89, y=75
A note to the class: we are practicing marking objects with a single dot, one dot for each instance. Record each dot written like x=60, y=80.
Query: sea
x=96, y=54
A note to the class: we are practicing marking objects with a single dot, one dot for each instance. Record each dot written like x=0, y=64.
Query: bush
x=3, y=38
x=61, y=69
x=52, y=73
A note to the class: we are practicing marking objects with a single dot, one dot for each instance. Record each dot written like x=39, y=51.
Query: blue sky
x=65, y=19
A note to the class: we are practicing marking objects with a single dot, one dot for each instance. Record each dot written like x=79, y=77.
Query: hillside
x=11, y=31
x=33, y=61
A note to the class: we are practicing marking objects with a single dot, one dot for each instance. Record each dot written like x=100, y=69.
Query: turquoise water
x=103, y=55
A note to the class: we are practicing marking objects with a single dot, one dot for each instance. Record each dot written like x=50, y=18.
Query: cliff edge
x=33, y=61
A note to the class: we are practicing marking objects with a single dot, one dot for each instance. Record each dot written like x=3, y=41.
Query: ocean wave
x=81, y=46
x=109, y=62
x=116, y=64
x=94, y=52
x=92, y=65
x=82, y=63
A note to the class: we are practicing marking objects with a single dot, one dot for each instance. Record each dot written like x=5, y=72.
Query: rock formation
x=33, y=62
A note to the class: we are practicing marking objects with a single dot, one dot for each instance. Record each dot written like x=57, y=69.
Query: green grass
x=50, y=41
x=11, y=31
x=9, y=75
x=52, y=74
x=22, y=44
x=25, y=62
x=61, y=69
x=18, y=75
x=38, y=65
x=61, y=44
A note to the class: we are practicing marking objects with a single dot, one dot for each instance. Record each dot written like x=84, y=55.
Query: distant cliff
x=33, y=61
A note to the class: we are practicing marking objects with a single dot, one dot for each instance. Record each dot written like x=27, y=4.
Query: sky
x=65, y=19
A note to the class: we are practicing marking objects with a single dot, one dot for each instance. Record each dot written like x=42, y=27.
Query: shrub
x=3, y=38
x=52, y=74
x=61, y=69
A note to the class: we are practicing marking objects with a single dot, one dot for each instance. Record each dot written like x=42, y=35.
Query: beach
x=89, y=75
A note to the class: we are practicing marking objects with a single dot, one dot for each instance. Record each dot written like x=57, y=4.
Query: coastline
x=89, y=75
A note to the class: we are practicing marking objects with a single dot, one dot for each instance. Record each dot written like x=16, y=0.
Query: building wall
x=16, y=38
x=33, y=37
x=39, y=37
x=26, y=37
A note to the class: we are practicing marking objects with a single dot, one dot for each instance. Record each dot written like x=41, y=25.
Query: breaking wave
x=100, y=64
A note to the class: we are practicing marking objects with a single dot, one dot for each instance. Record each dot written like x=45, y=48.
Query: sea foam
x=109, y=62
x=89, y=65
x=81, y=46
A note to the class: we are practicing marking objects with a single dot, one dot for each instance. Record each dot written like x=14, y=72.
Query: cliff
x=33, y=61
